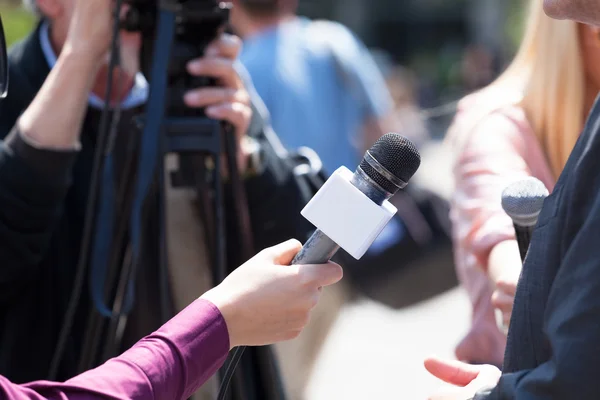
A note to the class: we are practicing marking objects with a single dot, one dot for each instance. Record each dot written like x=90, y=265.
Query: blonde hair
x=546, y=79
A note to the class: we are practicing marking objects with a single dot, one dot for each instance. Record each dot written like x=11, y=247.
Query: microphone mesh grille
x=523, y=200
x=398, y=155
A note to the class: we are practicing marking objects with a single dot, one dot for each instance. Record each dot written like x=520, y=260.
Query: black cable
x=95, y=328
x=244, y=228
x=229, y=370
x=90, y=212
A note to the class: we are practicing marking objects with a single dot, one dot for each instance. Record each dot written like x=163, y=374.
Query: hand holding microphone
x=351, y=210
x=268, y=301
x=522, y=201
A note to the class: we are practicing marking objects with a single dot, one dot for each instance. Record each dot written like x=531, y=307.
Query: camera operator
x=36, y=283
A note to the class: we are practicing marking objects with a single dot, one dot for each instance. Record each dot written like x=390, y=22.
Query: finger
x=208, y=96
x=502, y=301
x=451, y=371
x=227, y=46
x=283, y=253
x=501, y=321
x=506, y=319
x=237, y=114
x=507, y=286
x=321, y=275
x=217, y=67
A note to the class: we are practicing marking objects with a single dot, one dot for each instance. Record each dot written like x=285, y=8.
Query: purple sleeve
x=171, y=363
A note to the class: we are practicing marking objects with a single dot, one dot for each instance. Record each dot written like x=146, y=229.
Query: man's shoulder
x=325, y=30
x=592, y=125
x=580, y=176
x=587, y=148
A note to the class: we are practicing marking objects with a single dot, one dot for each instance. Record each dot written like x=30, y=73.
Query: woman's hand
x=266, y=300
x=503, y=298
x=504, y=270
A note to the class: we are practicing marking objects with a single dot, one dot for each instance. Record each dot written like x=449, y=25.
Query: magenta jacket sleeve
x=171, y=363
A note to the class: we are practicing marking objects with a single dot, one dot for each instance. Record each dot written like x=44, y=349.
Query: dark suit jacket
x=553, y=349
x=41, y=234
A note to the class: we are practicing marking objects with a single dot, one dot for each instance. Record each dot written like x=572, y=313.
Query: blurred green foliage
x=515, y=22
x=17, y=22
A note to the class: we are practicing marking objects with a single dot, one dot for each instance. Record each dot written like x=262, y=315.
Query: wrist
x=227, y=311
x=82, y=57
x=504, y=258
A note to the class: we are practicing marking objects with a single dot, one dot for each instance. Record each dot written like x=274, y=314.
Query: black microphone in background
x=523, y=201
x=386, y=168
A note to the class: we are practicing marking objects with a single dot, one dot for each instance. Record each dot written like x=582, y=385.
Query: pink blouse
x=497, y=150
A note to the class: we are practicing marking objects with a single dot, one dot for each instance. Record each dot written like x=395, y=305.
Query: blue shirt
x=320, y=85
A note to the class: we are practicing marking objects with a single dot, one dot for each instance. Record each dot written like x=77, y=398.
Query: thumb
x=323, y=274
x=451, y=371
x=283, y=253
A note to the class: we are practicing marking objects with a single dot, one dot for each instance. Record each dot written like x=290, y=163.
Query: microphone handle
x=317, y=250
x=523, y=239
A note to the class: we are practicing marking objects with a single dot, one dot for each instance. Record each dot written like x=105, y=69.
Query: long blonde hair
x=547, y=79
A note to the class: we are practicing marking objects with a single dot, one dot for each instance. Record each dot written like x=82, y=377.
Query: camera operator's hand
x=267, y=301
x=229, y=101
x=57, y=124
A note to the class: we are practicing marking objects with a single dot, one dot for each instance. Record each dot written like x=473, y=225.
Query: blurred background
x=440, y=41
x=432, y=52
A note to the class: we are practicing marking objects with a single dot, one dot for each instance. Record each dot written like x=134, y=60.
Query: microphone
x=351, y=209
x=523, y=201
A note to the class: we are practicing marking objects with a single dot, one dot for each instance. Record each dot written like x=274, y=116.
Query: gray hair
x=32, y=7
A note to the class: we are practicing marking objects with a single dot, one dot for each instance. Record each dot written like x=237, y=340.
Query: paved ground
x=375, y=352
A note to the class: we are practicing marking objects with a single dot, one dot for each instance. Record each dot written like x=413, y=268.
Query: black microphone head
x=397, y=155
x=523, y=201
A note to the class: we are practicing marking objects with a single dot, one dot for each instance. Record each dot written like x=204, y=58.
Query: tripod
x=169, y=127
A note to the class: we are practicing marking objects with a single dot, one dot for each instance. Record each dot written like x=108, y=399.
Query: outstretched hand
x=466, y=379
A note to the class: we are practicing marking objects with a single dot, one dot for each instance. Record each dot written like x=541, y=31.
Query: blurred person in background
x=36, y=291
x=477, y=67
x=318, y=81
x=322, y=90
x=402, y=84
x=523, y=124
